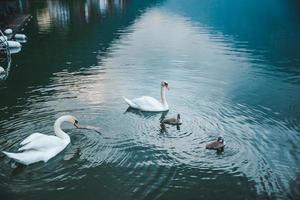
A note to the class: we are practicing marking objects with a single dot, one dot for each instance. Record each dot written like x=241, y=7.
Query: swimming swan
x=146, y=103
x=39, y=147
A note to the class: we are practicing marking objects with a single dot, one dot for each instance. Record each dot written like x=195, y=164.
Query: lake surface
x=233, y=69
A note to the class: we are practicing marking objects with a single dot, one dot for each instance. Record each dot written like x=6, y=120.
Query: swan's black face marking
x=165, y=84
x=76, y=123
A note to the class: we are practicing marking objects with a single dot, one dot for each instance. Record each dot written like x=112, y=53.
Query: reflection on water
x=58, y=13
x=83, y=56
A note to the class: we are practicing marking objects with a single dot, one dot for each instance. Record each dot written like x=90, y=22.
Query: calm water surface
x=233, y=68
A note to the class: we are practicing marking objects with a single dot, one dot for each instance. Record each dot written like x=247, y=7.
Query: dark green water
x=233, y=68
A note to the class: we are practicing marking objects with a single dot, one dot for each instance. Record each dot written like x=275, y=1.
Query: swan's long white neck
x=163, y=97
x=60, y=133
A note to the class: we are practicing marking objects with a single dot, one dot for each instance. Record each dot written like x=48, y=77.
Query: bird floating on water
x=217, y=145
x=149, y=104
x=40, y=147
x=173, y=120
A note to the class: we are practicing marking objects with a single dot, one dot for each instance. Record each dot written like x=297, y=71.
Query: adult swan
x=39, y=147
x=146, y=103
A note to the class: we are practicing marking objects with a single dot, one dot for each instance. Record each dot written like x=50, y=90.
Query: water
x=233, y=68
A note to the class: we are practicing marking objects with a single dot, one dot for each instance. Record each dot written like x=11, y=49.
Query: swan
x=40, y=147
x=146, y=103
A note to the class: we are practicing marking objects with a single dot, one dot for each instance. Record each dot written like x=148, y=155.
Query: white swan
x=146, y=103
x=39, y=147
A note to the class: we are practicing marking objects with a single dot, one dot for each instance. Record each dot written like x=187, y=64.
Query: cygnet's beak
x=76, y=124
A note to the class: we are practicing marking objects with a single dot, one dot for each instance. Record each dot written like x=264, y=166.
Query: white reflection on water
x=58, y=13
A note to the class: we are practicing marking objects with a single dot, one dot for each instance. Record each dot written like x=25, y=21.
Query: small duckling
x=217, y=145
x=173, y=120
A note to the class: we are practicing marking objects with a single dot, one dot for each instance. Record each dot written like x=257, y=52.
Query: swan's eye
x=76, y=122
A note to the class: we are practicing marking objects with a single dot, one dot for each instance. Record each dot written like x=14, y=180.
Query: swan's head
x=165, y=84
x=74, y=121
x=69, y=118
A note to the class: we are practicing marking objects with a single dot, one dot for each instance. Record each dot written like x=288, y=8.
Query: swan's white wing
x=146, y=103
x=130, y=103
x=31, y=138
x=31, y=156
x=28, y=157
x=43, y=142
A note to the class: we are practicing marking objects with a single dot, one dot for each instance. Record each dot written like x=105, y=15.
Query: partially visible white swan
x=146, y=103
x=39, y=147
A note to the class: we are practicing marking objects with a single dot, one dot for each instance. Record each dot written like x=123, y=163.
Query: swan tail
x=15, y=156
x=129, y=102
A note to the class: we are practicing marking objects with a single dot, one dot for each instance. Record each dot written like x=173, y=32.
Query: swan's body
x=39, y=147
x=146, y=103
